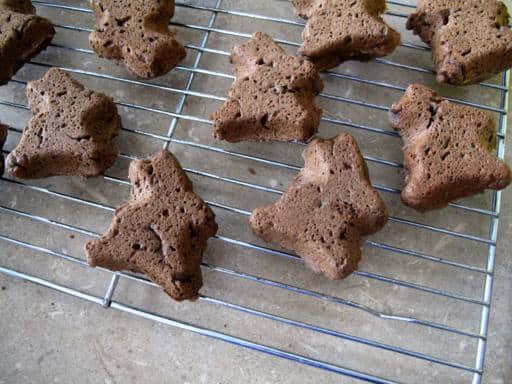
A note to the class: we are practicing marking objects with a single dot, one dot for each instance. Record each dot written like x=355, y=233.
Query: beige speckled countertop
x=49, y=337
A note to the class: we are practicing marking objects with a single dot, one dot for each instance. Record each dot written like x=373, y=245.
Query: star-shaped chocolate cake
x=273, y=97
x=161, y=232
x=136, y=33
x=340, y=30
x=23, y=35
x=326, y=211
x=70, y=133
x=470, y=39
x=447, y=149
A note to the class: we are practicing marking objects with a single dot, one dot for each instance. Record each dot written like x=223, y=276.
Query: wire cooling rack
x=417, y=308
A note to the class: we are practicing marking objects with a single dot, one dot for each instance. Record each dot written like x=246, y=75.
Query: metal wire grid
x=178, y=114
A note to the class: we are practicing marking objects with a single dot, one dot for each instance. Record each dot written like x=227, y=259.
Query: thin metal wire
x=394, y=219
x=279, y=20
x=176, y=115
x=368, y=275
x=493, y=232
x=255, y=312
x=167, y=140
x=202, y=330
x=239, y=34
x=401, y=4
x=336, y=121
x=107, y=300
x=199, y=54
x=375, y=244
x=275, y=284
x=328, y=73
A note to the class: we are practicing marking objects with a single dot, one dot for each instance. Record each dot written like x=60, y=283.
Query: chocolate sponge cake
x=447, y=149
x=273, y=97
x=470, y=39
x=327, y=209
x=23, y=35
x=340, y=30
x=70, y=133
x=136, y=34
x=161, y=232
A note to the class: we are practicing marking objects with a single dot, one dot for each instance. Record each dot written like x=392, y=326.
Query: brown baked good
x=328, y=208
x=22, y=35
x=340, y=30
x=161, y=232
x=136, y=34
x=447, y=149
x=70, y=133
x=19, y=6
x=272, y=97
x=3, y=136
x=470, y=39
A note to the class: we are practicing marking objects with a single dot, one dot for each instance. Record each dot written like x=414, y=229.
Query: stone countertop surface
x=50, y=337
